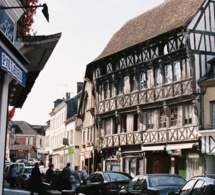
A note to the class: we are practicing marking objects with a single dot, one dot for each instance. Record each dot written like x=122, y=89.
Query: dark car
x=154, y=184
x=104, y=183
x=202, y=185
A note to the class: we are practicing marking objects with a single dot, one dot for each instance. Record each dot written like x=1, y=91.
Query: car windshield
x=155, y=181
x=28, y=170
x=115, y=177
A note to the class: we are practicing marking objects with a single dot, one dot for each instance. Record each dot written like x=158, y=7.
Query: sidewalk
x=8, y=191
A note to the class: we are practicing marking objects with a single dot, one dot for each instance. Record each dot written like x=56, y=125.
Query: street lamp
x=44, y=10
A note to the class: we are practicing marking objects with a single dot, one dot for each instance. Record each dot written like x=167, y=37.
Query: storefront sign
x=7, y=25
x=87, y=154
x=8, y=64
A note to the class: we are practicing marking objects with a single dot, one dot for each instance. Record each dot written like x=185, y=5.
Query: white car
x=32, y=161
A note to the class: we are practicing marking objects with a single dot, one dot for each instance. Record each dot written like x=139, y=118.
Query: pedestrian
x=77, y=178
x=99, y=168
x=35, y=180
x=13, y=175
x=49, y=174
x=66, y=173
x=84, y=174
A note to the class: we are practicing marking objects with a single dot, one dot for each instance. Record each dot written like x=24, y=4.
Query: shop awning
x=152, y=148
x=179, y=146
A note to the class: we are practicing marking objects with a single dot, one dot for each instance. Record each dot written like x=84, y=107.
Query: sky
x=86, y=27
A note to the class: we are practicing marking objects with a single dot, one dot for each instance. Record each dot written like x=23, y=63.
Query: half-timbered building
x=149, y=103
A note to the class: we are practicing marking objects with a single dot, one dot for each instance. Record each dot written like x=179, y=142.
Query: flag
x=11, y=113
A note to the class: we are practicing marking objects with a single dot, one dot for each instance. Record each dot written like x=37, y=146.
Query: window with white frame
x=158, y=77
x=143, y=84
x=126, y=87
x=28, y=141
x=90, y=134
x=98, y=72
x=168, y=73
x=187, y=114
x=173, y=116
x=150, y=119
x=162, y=119
x=213, y=114
x=176, y=71
x=107, y=126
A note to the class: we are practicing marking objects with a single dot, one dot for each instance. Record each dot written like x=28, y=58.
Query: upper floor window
x=143, y=84
x=150, y=119
x=187, y=114
x=213, y=114
x=162, y=119
x=168, y=74
x=100, y=92
x=98, y=72
x=119, y=86
x=173, y=116
x=107, y=127
x=158, y=77
x=106, y=90
x=109, y=68
x=123, y=123
x=176, y=71
x=112, y=90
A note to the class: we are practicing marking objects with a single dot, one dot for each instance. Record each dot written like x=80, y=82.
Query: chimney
x=79, y=86
x=67, y=95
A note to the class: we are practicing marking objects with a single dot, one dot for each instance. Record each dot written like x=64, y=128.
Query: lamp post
x=44, y=10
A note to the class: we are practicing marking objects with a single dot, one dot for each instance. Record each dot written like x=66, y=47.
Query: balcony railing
x=185, y=133
x=151, y=95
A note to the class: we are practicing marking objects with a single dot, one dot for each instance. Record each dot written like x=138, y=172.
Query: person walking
x=77, y=178
x=35, y=180
x=49, y=174
x=13, y=175
x=66, y=173
x=84, y=174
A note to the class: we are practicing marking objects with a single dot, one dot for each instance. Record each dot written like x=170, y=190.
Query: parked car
x=23, y=175
x=32, y=161
x=57, y=183
x=22, y=160
x=153, y=184
x=202, y=185
x=104, y=182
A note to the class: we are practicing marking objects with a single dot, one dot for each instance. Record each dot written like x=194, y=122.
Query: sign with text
x=9, y=65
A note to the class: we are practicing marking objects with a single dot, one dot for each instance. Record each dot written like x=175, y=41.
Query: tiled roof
x=24, y=127
x=166, y=17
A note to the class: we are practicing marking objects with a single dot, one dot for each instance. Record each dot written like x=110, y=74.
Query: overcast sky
x=86, y=27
